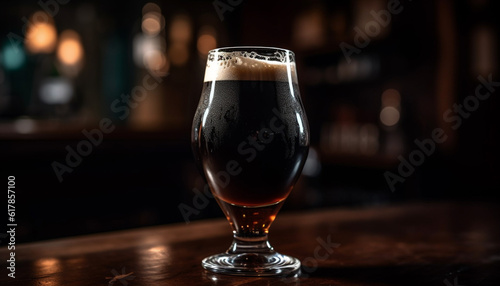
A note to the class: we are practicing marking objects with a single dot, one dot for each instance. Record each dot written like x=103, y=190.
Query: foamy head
x=240, y=65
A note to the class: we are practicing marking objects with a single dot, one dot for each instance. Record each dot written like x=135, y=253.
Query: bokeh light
x=309, y=29
x=24, y=125
x=150, y=7
x=70, y=50
x=12, y=57
x=389, y=116
x=156, y=62
x=56, y=90
x=180, y=34
x=152, y=23
x=391, y=97
x=206, y=40
x=41, y=35
x=181, y=30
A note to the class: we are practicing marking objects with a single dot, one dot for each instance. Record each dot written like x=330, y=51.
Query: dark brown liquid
x=251, y=140
x=250, y=221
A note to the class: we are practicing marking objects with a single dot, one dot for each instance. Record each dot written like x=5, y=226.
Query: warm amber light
x=151, y=26
x=150, y=7
x=152, y=23
x=156, y=62
x=309, y=29
x=206, y=43
x=70, y=50
x=391, y=97
x=161, y=249
x=206, y=40
x=47, y=266
x=41, y=36
x=180, y=30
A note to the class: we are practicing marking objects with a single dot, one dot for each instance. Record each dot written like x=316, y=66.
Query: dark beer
x=250, y=141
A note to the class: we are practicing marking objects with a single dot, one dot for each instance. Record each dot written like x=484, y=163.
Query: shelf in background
x=58, y=129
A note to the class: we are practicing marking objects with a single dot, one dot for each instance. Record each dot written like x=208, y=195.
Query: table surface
x=446, y=244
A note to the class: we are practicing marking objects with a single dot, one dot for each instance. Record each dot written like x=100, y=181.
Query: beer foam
x=243, y=66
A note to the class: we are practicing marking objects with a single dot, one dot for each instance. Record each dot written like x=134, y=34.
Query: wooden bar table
x=447, y=244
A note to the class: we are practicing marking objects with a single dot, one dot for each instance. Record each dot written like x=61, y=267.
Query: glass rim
x=229, y=49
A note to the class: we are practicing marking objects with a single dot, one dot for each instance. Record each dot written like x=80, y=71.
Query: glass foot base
x=252, y=264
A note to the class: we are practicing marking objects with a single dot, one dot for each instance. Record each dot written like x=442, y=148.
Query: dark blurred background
x=97, y=100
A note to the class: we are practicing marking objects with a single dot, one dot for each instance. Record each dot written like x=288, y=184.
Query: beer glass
x=250, y=139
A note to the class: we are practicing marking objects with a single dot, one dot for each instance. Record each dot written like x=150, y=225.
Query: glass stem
x=250, y=245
